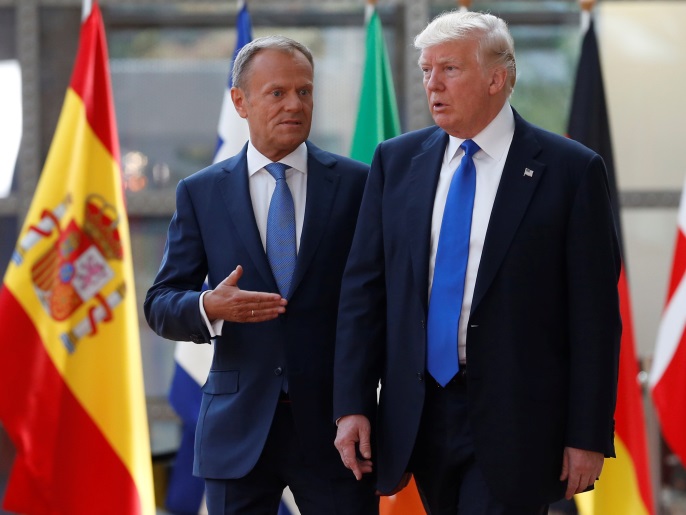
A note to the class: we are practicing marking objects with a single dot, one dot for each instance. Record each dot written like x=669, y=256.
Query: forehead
x=449, y=51
x=278, y=68
x=271, y=59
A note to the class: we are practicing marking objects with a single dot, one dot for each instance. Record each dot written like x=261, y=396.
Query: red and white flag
x=668, y=373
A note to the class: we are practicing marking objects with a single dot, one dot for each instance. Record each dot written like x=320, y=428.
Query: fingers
x=228, y=302
x=349, y=459
x=581, y=469
x=354, y=430
x=365, y=446
x=233, y=277
x=261, y=313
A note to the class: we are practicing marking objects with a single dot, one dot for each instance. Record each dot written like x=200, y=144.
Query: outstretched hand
x=228, y=302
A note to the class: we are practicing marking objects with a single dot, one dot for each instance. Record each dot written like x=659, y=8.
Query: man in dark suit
x=498, y=384
x=273, y=255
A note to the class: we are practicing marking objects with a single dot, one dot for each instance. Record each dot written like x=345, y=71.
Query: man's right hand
x=228, y=302
x=354, y=433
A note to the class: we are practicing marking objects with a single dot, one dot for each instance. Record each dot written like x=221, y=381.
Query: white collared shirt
x=262, y=186
x=489, y=162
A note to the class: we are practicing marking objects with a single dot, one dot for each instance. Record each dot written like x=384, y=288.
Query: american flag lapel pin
x=528, y=172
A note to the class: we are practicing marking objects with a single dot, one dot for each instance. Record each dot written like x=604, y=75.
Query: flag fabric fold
x=70, y=363
x=377, y=115
x=625, y=485
x=185, y=492
x=233, y=130
x=668, y=372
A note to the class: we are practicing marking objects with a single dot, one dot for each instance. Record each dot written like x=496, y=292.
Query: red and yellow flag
x=70, y=366
x=624, y=487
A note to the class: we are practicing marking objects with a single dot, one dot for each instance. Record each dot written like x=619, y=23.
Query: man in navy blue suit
x=498, y=383
x=266, y=413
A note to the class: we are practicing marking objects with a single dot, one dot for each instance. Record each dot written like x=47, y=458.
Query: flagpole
x=87, y=6
x=586, y=8
x=464, y=4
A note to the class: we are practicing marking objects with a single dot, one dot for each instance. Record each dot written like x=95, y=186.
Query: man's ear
x=239, y=101
x=498, y=79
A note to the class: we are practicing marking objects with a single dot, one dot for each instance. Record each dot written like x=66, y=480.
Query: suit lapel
x=236, y=194
x=322, y=185
x=521, y=176
x=424, y=172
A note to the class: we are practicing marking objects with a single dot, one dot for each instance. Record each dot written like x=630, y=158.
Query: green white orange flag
x=377, y=116
x=624, y=487
x=71, y=378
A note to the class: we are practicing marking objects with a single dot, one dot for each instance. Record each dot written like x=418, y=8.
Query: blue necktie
x=281, y=250
x=447, y=288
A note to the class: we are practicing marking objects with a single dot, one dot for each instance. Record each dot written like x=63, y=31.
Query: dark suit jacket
x=213, y=231
x=544, y=330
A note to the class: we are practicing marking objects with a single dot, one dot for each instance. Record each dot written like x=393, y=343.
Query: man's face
x=459, y=90
x=277, y=101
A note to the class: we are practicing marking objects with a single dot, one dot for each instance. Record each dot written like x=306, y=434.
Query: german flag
x=70, y=365
x=625, y=483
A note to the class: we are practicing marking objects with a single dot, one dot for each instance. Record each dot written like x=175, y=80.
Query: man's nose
x=433, y=82
x=293, y=101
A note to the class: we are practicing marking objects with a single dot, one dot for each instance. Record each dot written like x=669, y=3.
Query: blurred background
x=169, y=61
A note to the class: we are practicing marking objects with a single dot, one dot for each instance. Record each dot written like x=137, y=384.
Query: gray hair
x=241, y=64
x=496, y=46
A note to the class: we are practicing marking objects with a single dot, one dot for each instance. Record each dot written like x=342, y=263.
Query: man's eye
x=277, y=93
x=304, y=92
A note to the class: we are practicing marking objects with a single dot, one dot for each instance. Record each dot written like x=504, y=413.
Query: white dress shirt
x=489, y=162
x=262, y=186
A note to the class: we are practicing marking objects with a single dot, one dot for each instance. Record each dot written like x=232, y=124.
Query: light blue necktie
x=281, y=249
x=447, y=288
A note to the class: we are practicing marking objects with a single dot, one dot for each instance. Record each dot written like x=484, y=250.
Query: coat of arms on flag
x=75, y=268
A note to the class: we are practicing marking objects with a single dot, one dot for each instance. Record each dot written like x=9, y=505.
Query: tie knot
x=277, y=170
x=470, y=148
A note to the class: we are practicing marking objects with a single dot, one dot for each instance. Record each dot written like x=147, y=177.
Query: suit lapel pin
x=528, y=172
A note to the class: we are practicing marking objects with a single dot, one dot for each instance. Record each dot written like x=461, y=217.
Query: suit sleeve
x=172, y=304
x=593, y=268
x=361, y=328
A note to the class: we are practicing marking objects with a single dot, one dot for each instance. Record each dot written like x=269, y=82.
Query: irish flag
x=70, y=366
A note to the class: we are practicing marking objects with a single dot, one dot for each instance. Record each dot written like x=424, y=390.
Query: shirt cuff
x=215, y=328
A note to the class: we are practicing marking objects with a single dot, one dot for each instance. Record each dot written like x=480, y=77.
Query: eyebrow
x=440, y=60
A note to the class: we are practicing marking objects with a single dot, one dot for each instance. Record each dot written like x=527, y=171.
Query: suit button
x=423, y=324
x=420, y=377
x=278, y=371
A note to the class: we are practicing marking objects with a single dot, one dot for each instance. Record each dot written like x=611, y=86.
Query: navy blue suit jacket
x=544, y=330
x=213, y=231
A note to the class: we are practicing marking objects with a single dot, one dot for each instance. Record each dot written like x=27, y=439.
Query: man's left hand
x=580, y=469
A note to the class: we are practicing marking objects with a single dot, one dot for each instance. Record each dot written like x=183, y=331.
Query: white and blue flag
x=185, y=492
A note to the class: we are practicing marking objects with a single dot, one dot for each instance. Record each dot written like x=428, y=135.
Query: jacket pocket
x=221, y=382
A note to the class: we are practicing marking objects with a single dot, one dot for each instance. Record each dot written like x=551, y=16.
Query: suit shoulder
x=345, y=166
x=562, y=144
x=206, y=173
x=413, y=137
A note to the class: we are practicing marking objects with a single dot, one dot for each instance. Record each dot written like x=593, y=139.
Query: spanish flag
x=70, y=366
x=624, y=487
